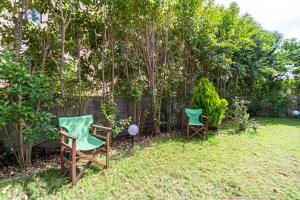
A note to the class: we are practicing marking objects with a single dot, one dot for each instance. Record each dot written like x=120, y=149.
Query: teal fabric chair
x=79, y=136
x=195, y=122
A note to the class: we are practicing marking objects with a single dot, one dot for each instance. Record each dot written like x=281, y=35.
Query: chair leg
x=196, y=131
x=62, y=149
x=73, y=167
x=204, y=133
x=107, y=154
x=187, y=131
x=62, y=163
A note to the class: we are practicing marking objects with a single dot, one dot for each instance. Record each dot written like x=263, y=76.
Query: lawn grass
x=265, y=165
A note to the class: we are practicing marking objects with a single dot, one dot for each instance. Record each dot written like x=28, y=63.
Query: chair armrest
x=68, y=135
x=101, y=127
x=106, y=130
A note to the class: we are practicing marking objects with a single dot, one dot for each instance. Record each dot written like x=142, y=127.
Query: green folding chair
x=76, y=138
x=195, y=123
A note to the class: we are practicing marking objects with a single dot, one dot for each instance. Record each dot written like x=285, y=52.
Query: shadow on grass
x=48, y=181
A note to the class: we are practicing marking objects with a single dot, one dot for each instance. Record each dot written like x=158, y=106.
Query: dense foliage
x=161, y=49
x=206, y=98
x=24, y=99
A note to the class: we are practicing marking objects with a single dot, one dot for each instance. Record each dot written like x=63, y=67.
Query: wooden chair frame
x=191, y=130
x=77, y=154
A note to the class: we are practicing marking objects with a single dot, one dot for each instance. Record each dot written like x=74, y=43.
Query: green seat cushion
x=81, y=127
x=91, y=144
x=194, y=116
x=196, y=123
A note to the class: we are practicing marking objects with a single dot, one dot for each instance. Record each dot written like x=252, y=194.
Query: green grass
x=265, y=165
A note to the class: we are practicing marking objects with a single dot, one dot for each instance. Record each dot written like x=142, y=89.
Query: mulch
x=49, y=158
x=37, y=165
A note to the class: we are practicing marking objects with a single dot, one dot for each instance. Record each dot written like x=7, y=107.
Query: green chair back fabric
x=194, y=116
x=80, y=126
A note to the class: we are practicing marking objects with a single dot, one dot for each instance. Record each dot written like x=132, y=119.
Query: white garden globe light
x=133, y=130
x=296, y=113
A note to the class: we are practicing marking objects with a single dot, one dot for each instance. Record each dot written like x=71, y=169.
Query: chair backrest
x=193, y=114
x=79, y=126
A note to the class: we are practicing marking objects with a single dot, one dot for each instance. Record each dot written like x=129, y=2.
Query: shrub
x=24, y=97
x=241, y=118
x=109, y=112
x=206, y=97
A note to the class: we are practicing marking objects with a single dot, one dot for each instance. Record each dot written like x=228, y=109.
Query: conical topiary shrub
x=206, y=97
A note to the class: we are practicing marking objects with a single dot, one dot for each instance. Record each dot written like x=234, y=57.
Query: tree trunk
x=28, y=150
x=46, y=46
x=138, y=112
x=19, y=131
x=62, y=49
x=65, y=19
x=170, y=114
x=134, y=119
x=19, y=26
x=79, y=74
x=23, y=158
x=150, y=57
x=112, y=66
x=155, y=112
x=104, y=91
